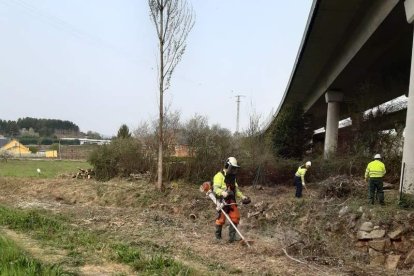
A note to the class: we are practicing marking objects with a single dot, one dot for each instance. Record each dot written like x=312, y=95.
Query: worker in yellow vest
x=226, y=188
x=300, y=178
x=375, y=172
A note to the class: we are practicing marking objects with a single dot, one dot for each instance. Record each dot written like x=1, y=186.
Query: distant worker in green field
x=300, y=178
x=375, y=172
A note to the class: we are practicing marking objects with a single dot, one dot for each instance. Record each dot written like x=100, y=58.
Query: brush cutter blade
x=244, y=243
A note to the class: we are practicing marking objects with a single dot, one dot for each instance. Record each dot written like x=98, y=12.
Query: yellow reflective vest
x=375, y=169
x=301, y=173
x=219, y=186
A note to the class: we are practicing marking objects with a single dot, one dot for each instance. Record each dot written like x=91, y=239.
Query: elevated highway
x=355, y=55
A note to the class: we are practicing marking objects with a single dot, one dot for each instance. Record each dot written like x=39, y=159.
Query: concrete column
x=407, y=172
x=333, y=98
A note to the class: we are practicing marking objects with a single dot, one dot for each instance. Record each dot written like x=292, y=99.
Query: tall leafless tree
x=173, y=20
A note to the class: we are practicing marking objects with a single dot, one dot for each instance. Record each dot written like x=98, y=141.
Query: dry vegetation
x=310, y=236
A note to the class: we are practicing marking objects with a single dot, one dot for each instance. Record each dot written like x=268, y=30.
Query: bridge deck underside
x=378, y=73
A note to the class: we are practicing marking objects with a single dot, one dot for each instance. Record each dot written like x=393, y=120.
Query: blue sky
x=93, y=62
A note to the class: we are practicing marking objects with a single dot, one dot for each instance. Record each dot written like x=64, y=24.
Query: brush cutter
x=206, y=187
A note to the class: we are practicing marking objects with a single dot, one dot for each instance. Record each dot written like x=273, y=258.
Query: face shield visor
x=233, y=169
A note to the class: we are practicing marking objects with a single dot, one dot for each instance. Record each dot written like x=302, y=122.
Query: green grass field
x=13, y=261
x=48, y=168
x=82, y=245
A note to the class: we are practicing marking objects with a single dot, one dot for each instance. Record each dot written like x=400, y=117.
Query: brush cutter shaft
x=219, y=204
x=219, y=207
x=234, y=226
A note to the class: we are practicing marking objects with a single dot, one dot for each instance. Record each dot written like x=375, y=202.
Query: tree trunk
x=161, y=120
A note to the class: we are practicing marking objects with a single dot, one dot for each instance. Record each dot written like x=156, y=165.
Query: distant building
x=181, y=151
x=15, y=148
x=87, y=141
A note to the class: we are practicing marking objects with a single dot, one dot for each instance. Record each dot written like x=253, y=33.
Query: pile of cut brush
x=146, y=176
x=341, y=186
x=84, y=174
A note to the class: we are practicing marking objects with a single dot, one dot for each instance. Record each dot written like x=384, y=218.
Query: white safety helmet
x=308, y=163
x=231, y=162
x=377, y=156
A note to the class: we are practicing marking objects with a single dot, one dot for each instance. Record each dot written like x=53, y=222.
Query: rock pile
x=391, y=249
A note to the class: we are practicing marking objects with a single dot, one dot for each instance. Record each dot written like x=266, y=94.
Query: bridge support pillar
x=333, y=98
x=407, y=171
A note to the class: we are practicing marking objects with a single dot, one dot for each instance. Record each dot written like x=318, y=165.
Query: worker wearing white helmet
x=375, y=171
x=300, y=178
x=225, y=187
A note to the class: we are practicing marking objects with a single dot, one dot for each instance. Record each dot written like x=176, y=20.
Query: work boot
x=381, y=198
x=218, y=231
x=233, y=234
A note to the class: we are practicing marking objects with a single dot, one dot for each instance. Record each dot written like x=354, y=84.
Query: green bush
x=290, y=133
x=407, y=201
x=123, y=132
x=209, y=148
x=28, y=140
x=54, y=146
x=70, y=142
x=322, y=169
x=46, y=141
x=33, y=149
x=120, y=158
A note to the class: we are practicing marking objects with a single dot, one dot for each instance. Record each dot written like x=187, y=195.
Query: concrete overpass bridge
x=355, y=55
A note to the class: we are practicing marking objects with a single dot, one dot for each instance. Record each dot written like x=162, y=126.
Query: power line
x=69, y=28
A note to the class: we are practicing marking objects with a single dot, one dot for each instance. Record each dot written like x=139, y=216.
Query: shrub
x=46, y=141
x=290, y=133
x=123, y=132
x=54, y=146
x=120, y=158
x=209, y=147
x=33, y=149
x=4, y=155
x=70, y=142
x=28, y=140
x=260, y=166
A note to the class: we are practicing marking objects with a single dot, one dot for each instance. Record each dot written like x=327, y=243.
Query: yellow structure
x=16, y=148
x=51, y=153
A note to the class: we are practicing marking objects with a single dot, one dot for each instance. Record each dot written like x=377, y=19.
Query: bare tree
x=173, y=20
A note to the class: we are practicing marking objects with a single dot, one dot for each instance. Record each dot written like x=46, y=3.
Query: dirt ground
x=182, y=220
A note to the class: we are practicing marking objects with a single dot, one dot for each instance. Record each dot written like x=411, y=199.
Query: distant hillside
x=36, y=127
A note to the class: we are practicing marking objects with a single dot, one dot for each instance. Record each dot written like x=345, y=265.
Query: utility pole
x=238, y=111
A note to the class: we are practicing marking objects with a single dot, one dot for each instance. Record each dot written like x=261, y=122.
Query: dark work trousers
x=298, y=184
x=375, y=185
